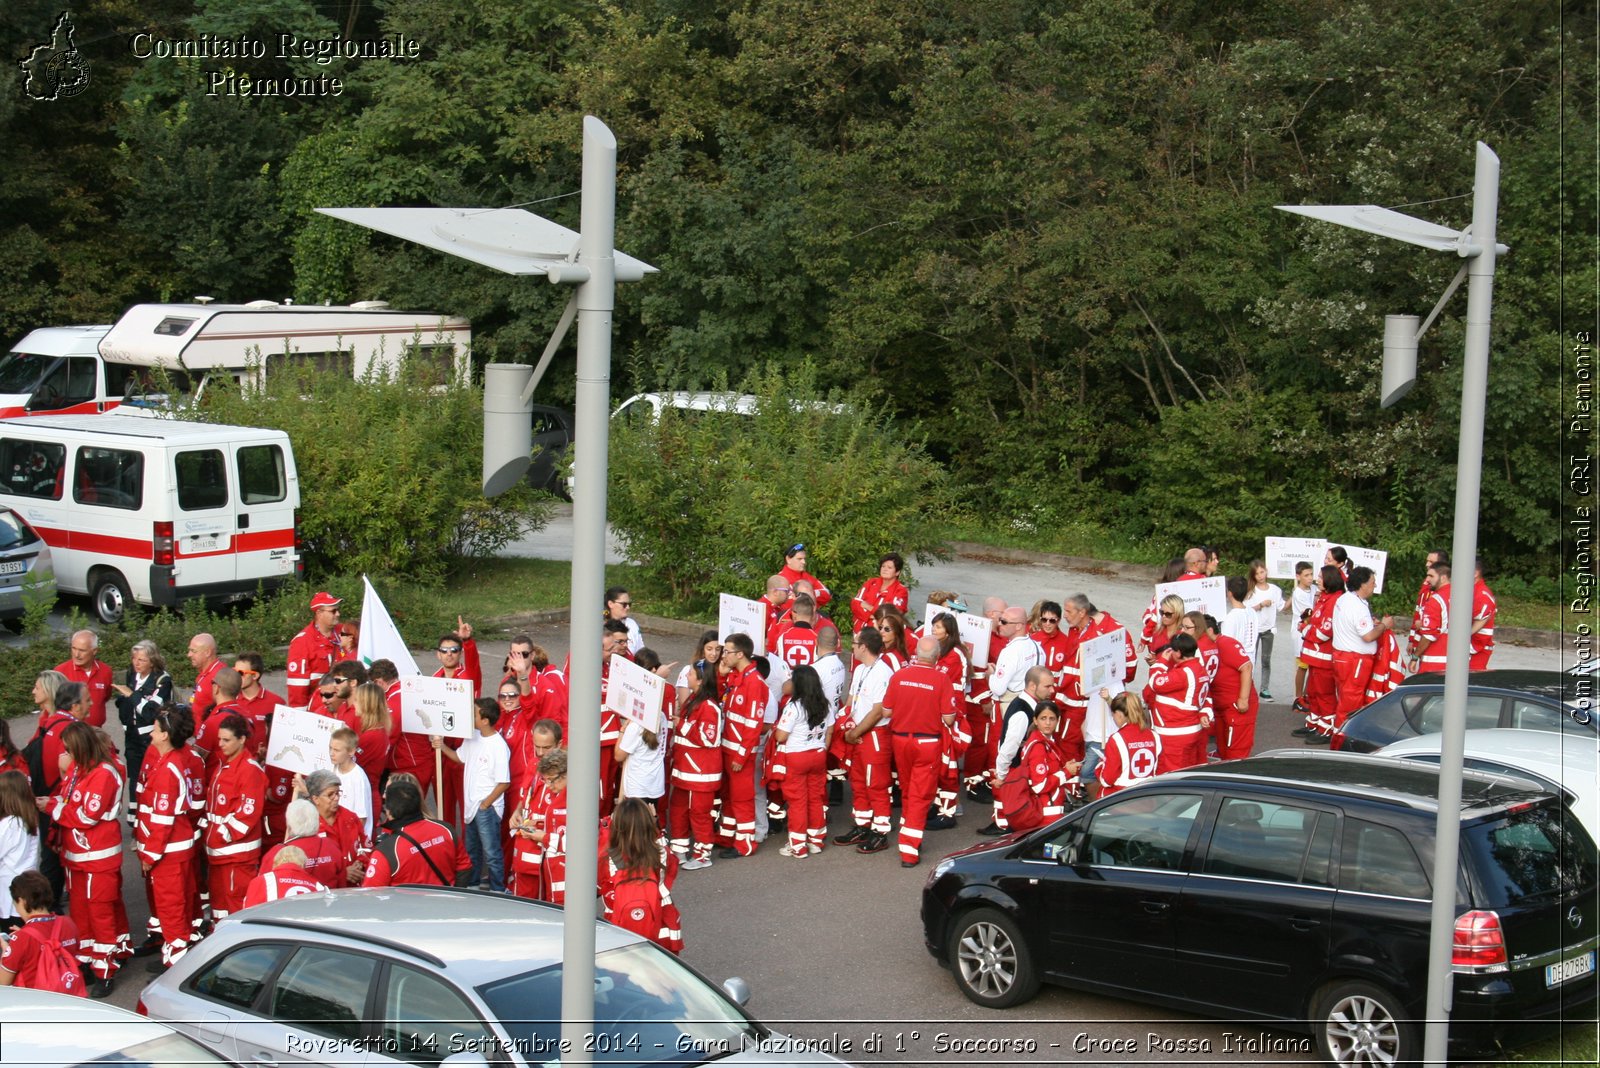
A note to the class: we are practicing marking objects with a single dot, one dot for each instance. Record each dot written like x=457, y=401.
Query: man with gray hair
x=84, y=665
x=287, y=877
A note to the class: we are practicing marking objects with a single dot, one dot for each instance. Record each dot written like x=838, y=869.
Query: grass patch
x=1574, y=1045
x=1068, y=539
x=483, y=591
x=1527, y=612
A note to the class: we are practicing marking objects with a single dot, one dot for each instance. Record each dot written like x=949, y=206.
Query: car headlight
x=940, y=868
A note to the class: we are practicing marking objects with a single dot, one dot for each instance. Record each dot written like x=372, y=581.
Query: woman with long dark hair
x=87, y=806
x=803, y=733
x=696, y=769
x=619, y=605
x=638, y=899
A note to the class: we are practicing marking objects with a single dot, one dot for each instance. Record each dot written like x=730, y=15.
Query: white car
x=56, y=1030
x=1566, y=762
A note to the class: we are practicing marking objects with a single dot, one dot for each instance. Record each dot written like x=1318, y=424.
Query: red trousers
x=1320, y=697
x=739, y=805
x=1351, y=672
x=805, y=784
x=608, y=778
x=870, y=767
x=1237, y=735
x=1181, y=750
x=1480, y=661
x=94, y=901
x=170, y=885
x=228, y=884
x=690, y=819
x=979, y=764
x=916, y=759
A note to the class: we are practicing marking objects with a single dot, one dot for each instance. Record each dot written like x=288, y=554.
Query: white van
x=85, y=370
x=154, y=510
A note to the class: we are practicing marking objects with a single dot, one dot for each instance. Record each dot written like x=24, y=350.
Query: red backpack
x=56, y=970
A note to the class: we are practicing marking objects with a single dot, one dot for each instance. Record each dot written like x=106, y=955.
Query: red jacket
x=311, y=654
x=697, y=748
x=1047, y=773
x=287, y=880
x=165, y=824
x=409, y=853
x=235, y=803
x=1431, y=639
x=1231, y=660
x=50, y=749
x=1316, y=646
x=875, y=592
x=746, y=708
x=1176, y=690
x=87, y=811
x=820, y=592
x=202, y=690
x=795, y=644
x=1131, y=756
x=325, y=861
x=97, y=676
x=917, y=700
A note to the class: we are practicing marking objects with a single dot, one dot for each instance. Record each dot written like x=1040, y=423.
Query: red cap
x=324, y=600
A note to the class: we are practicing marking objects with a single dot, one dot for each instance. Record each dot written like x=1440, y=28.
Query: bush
x=390, y=469
x=706, y=501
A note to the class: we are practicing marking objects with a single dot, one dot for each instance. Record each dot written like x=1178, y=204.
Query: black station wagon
x=1292, y=887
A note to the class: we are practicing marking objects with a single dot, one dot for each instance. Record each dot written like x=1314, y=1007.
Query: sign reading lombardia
x=226, y=81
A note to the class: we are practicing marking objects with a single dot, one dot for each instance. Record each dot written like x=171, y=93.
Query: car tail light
x=1478, y=940
x=163, y=555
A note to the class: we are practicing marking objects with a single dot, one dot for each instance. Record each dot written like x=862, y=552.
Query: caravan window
x=202, y=480
x=32, y=468
x=146, y=385
x=295, y=363
x=110, y=478
x=433, y=365
x=261, y=475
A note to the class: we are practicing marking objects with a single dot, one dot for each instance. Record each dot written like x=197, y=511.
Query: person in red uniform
x=640, y=899
x=1060, y=645
x=526, y=857
x=795, y=643
x=1200, y=626
x=1047, y=769
x=324, y=860
x=458, y=659
x=85, y=810
x=745, y=705
x=1484, y=610
x=84, y=665
x=203, y=657
x=409, y=753
x=696, y=769
x=885, y=589
x=164, y=834
x=777, y=603
x=235, y=805
x=413, y=848
x=1133, y=750
x=255, y=702
x=1354, y=645
x=1234, y=699
x=868, y=745
x=338, y=824
x=794, y=569
x=1316, y=649
x=336, y=691
x=1176, y=679
x=286, y=877
x=981, y=711
x=613, y=642
x=550, y=834
x=314, y=649
x=955, y=735
x=225, y=686
x=1191, y=566
x=32, y=957
x=918, y=704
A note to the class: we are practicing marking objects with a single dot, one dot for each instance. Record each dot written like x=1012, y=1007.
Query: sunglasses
x=624, y=604
x=335, y=680
x=798, y=547
x=448, y=649
x=1049, y=619
x=1166, y=615
x=513, y=696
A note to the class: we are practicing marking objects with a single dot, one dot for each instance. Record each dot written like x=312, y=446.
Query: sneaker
x=981, y=794
x=910, y=863
x=729, y=853
x=694, y=864
x=1302, y=732
x=100, y=988
x=853, y=836
x=147, y=947
x=1265, y=696
x=875, y=843
x=1300, y=706
x=994, y=830
x=1318, y=739
x=940, y=823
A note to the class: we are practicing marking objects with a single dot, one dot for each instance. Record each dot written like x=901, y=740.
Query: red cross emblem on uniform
x=637, y=914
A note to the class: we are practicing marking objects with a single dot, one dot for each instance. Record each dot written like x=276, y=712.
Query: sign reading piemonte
x=740, y=615
x=634, y=693
x=436, y=706
x=298, y=741
x=1104, y=661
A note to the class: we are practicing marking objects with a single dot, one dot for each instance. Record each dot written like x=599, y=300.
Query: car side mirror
x=1069, y=855
x=737, y=989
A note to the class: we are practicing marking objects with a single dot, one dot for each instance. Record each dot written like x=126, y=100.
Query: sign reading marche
x=1208, y=595
x=740, y=615
x=1103, y=661
x=1284, y=553
x=436, y=706
x=635, y=693
x=298, y=741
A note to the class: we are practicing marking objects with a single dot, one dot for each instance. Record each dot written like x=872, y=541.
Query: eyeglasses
x=337, y=680
x=448, y=649
x=1049, y=619
x=335, y=611
x=512, y=696
x=624, y=604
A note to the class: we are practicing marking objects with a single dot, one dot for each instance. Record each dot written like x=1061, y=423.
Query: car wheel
x=111, y=596
x=1360, y=1024
x=991, y=960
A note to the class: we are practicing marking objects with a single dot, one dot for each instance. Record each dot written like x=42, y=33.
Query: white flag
x=379, y=638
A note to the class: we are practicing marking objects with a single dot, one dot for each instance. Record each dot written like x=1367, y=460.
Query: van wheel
x=111, y=596
x=1358, y=1023
x=991, y=961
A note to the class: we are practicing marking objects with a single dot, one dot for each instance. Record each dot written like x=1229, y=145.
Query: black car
x=1291, y=887
x=1530, y=700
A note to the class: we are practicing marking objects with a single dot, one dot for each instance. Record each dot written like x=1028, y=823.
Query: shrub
x=706, y=501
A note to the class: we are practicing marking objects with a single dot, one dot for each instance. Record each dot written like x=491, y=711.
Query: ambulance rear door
x=203, y=523
x=269, y=493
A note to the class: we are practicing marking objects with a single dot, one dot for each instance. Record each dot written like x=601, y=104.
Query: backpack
x=33, y=753
x=56, y=970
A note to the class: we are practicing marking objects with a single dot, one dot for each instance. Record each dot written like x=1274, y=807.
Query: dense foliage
x=1044, y=230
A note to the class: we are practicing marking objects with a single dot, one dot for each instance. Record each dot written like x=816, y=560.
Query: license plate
x=204, y=544
x=13, y=567
x=1562, y=971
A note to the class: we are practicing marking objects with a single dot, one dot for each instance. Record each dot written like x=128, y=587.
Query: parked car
x=1527, y=700
x=1558, y=762
x=44, y=1030
x=26, y=569
x=1293, y=887
x=552, y=437
x=419, y=975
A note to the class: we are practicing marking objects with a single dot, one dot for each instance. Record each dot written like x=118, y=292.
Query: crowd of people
x=746, y=747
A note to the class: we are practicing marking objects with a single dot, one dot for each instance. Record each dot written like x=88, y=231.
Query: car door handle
x=1155, y=908
x=1304, y=923
x=244, y=521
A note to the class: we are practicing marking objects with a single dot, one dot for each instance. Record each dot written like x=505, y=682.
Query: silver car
x=429, y=975
x=25, y=568
x=44, y=1030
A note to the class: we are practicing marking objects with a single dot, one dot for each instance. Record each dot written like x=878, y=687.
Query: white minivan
x=154, y=510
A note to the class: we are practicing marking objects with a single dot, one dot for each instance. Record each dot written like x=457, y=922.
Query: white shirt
x=803, y=737
x=1351, y=619
x=1240, y=625
x=644, y=773
x=1300, y=602
x=486, y=762
x=1010, y=670
x=1016, y=729
x=867, y=687
x=1268, y=602
x=19, y=852
x=355, y=794
x=834, y=676
x=777, y=674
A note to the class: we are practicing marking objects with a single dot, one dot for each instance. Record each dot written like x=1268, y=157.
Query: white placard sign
x=298, y=741
x=740, y=615
x=634, y=693
x=1284, y=553
x=1103, y=661
x=975, y=633
x=1373, y=558
x=1208, y=595
x=436, y=706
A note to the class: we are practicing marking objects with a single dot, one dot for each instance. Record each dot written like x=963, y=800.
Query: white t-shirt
x=19, y=852
x=778, y=673
x=835, y=676
x=486, y=763
x=803, y=737
x=1268, y=602
x=644, y=773
x=355, y=794
x=867, y=687
x=1240, y=625
x=1300, y=602
x=1351, y=619
x=635, y=638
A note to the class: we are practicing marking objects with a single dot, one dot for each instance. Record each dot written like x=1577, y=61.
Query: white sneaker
x=694, y=865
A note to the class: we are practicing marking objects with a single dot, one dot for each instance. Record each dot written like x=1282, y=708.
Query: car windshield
x=13, y=531
x=20, y=372
x=649, y=1009
x=1529, y=852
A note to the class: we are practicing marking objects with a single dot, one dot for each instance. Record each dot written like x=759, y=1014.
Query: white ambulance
x=154, y=510
x=88, y=370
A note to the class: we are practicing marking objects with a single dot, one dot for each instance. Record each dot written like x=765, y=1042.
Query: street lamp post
x=519, y=242
x=1475, y=245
